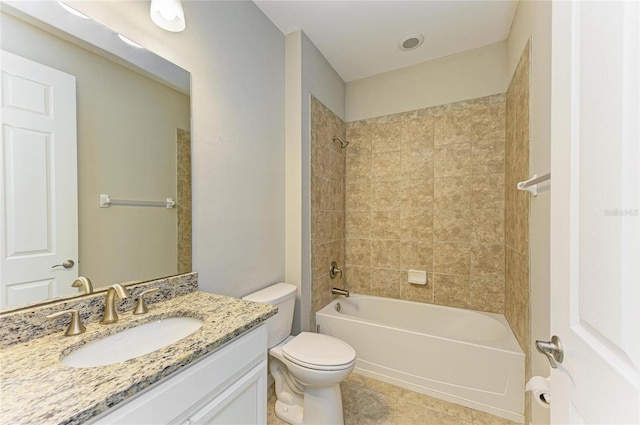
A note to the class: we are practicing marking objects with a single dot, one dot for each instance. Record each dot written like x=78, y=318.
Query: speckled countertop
x=35, y=388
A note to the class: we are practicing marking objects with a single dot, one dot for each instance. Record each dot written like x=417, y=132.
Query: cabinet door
x=245, y=402
x=178, y=396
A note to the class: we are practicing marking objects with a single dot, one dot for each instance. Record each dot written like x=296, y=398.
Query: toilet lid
x=318, y=351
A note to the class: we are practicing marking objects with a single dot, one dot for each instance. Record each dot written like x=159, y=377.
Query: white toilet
x=307, y=368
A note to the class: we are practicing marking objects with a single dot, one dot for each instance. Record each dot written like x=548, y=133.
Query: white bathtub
x=463, y=356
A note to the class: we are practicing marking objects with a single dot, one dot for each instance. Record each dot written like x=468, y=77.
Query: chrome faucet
x=338, y=291
x=110, y=313
x=83, y=282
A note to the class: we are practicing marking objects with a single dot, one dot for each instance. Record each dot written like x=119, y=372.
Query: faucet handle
x=141, y=306
x=75, y=326
x=334, y=270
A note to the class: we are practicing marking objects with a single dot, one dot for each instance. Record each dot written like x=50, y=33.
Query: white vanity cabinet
x=227, y=386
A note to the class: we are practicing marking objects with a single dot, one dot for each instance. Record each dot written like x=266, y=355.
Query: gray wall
x=308, y=73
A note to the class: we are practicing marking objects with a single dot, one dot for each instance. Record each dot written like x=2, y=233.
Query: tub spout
x=338, y=291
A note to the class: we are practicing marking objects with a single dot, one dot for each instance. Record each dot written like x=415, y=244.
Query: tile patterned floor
x=370, y=402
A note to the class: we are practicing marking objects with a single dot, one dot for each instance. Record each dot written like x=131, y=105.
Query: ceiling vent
x=411, y=42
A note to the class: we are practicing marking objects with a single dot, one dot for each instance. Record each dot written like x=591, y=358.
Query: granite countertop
x=36, y=388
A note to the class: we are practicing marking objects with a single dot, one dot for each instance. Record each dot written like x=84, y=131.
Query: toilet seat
x=319, y=352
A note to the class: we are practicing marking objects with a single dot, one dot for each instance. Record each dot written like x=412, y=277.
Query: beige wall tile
x=452, y=225
x=487, y=160
x=410, y=202
x=517, y=203
x=487, y=226
x=385, y=225
x=386, y=196
x=452, y=127
x=487, y=260
x=453, y=193
x=385, y=166
x=359, y=142
x=417, y=255
x=386, y=253
x=358, y=156
x=450, y=290
x=487, y=294
x=337, y=224
x=336, y=195
x=358, y=197
x=417, y=133
x=488, y=121
x=358, y=252
x=387, y=138
x=328, y=199
x=358, y=224
x=416, y=194
x=321, y=231
x=517, y=271
x=521, y=224
x=488, y=191
x=385, y=283
x=183, y=195
x=417, y=163
x=358, y=279
x=368, y=132
x=452, y=160
x=517, y=314
x=321, y=161
x=320, y=256
x=451, y=258
x=416, y=225
x=497, y=145
x=358, y=168
x=417, y=293
x=320, y=193
x=336, y=165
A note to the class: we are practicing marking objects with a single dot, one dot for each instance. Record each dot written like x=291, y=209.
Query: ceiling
x=360, y=38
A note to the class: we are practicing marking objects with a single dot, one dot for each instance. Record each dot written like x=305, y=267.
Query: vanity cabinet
x=227, y=386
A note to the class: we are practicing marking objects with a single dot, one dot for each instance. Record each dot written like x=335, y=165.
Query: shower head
x=343, y=143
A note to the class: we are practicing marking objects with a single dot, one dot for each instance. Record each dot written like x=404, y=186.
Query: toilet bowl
x=308, y=368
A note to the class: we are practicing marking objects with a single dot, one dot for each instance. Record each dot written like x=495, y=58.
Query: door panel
x=595, y=212
x=38, y=161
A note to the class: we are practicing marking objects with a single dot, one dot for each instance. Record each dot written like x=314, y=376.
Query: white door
x=595, y=212
x=38, y=167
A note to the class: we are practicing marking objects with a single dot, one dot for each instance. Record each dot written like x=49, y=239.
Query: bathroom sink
x=132, y=343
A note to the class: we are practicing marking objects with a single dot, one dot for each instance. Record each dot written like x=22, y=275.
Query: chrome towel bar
x=106, y=202
x=531, y=185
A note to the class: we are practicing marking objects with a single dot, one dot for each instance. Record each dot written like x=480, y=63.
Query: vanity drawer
x=179, y=396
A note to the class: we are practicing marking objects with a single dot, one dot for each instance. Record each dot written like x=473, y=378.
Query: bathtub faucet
x=338, y=291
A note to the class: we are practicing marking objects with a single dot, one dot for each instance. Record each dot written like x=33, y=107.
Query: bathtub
x=462, y=356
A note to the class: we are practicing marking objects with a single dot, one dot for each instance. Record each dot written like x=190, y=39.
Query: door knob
x=552, y=349
x=67, y=264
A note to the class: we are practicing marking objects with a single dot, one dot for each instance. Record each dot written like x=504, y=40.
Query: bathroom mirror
x=130, y=141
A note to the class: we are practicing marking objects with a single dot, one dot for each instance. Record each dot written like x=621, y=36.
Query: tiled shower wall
x=184, y=200
x=517, y=209
x=327, y=203
x=425, y=190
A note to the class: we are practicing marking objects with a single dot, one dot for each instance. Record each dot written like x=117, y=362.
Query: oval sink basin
x=132, y=343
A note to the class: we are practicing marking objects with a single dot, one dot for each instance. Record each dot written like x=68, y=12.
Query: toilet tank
x=282, y=295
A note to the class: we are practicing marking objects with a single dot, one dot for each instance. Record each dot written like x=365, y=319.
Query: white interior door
x=595, y=212
x=38, y=167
